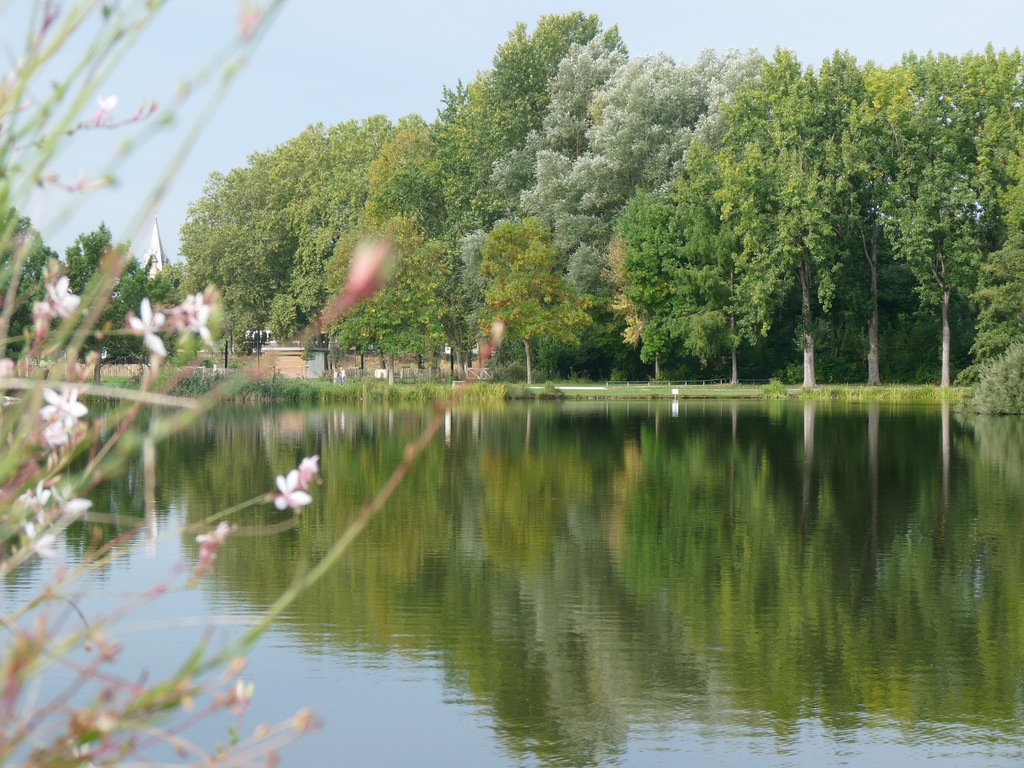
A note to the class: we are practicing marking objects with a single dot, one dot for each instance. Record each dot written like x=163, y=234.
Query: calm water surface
x=634, y=584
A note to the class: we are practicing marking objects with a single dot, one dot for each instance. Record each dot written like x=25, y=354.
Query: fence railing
x=685, y=383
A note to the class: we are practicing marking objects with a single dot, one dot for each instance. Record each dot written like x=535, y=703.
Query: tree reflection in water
x=588, y=571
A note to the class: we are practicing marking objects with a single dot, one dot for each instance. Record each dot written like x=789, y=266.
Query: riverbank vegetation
x=738, y=215
x=278, y=389
x=633, y=217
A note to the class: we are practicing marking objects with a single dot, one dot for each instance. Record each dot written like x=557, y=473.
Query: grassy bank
x=891, y=392
x=279, y=389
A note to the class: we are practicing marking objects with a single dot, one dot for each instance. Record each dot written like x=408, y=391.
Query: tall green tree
x=405, y=315
x=708, y=316
x=525, y=288
x=650, y=230
x=1000, y=295
x=934, y=200
x=236, y=237
x=263, y=234
x=779, y=195
x=23, y=257
x=482, y=123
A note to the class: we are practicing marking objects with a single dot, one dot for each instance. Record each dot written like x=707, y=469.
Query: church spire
x=155, y=258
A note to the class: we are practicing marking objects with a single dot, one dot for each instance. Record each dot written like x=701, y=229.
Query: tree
x=779, y=195
x=862, y=161
x=90, y=255
x=404, y=316
x=934, y=202
x=707, y=313
x=22, y=249
x=405, y=180
x=263, y=234
x=525, y=289
x=649, y=228
x=639, y=124
x=491, y=117
x=236, y=238
x=1000, y=300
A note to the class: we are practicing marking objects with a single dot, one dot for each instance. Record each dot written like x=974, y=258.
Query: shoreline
x=242, y=389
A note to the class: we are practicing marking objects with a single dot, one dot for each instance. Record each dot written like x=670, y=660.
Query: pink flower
x=250, y=17
x=309, y=468
x=368, y=268
x=290, y=495
x=209, y=543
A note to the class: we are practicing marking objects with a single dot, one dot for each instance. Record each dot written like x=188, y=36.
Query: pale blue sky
x=330, y=61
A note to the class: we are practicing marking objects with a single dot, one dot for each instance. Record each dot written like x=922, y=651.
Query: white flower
x=64, y=405
x=42, y=545
x=60, y=415
x=36, y=500
x=146, y=325
x=71, y=508
x=291, y=495
x=61, y=301
x=58, y=433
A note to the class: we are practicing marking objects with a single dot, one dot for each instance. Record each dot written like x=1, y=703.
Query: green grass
x=279, y=389
x=889, y=392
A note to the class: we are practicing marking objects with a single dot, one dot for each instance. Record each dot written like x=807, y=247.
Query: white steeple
x=155, y=255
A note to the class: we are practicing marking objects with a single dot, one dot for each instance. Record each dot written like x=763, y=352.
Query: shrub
x=514, y=373
x=1000, y=387
x=774, y=390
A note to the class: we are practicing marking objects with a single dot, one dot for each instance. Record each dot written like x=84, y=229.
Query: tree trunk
x=871, y=256
x=735, y=358
x=529, y=362
x=804, y=273
x=657, y=367
x=391, y=369
x=946, y=337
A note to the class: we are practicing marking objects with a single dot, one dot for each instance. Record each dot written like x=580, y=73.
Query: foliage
x=524, y=289
x=836, y=206
x=405, y=315
x=774, y=390
x=20, y=242
x=264, y=234
x=1000, y=387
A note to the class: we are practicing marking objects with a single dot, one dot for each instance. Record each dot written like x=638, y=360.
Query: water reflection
x=590, y=572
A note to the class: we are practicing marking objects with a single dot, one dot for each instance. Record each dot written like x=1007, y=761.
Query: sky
x=330, y=61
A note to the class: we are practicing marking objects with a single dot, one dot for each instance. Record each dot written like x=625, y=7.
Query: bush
x=1000, y=387
x=514, y=373
x=774, y=390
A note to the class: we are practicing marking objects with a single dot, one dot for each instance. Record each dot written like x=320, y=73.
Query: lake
x=720, y=583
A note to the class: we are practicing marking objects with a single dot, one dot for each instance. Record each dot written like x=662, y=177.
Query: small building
x=289, y=361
